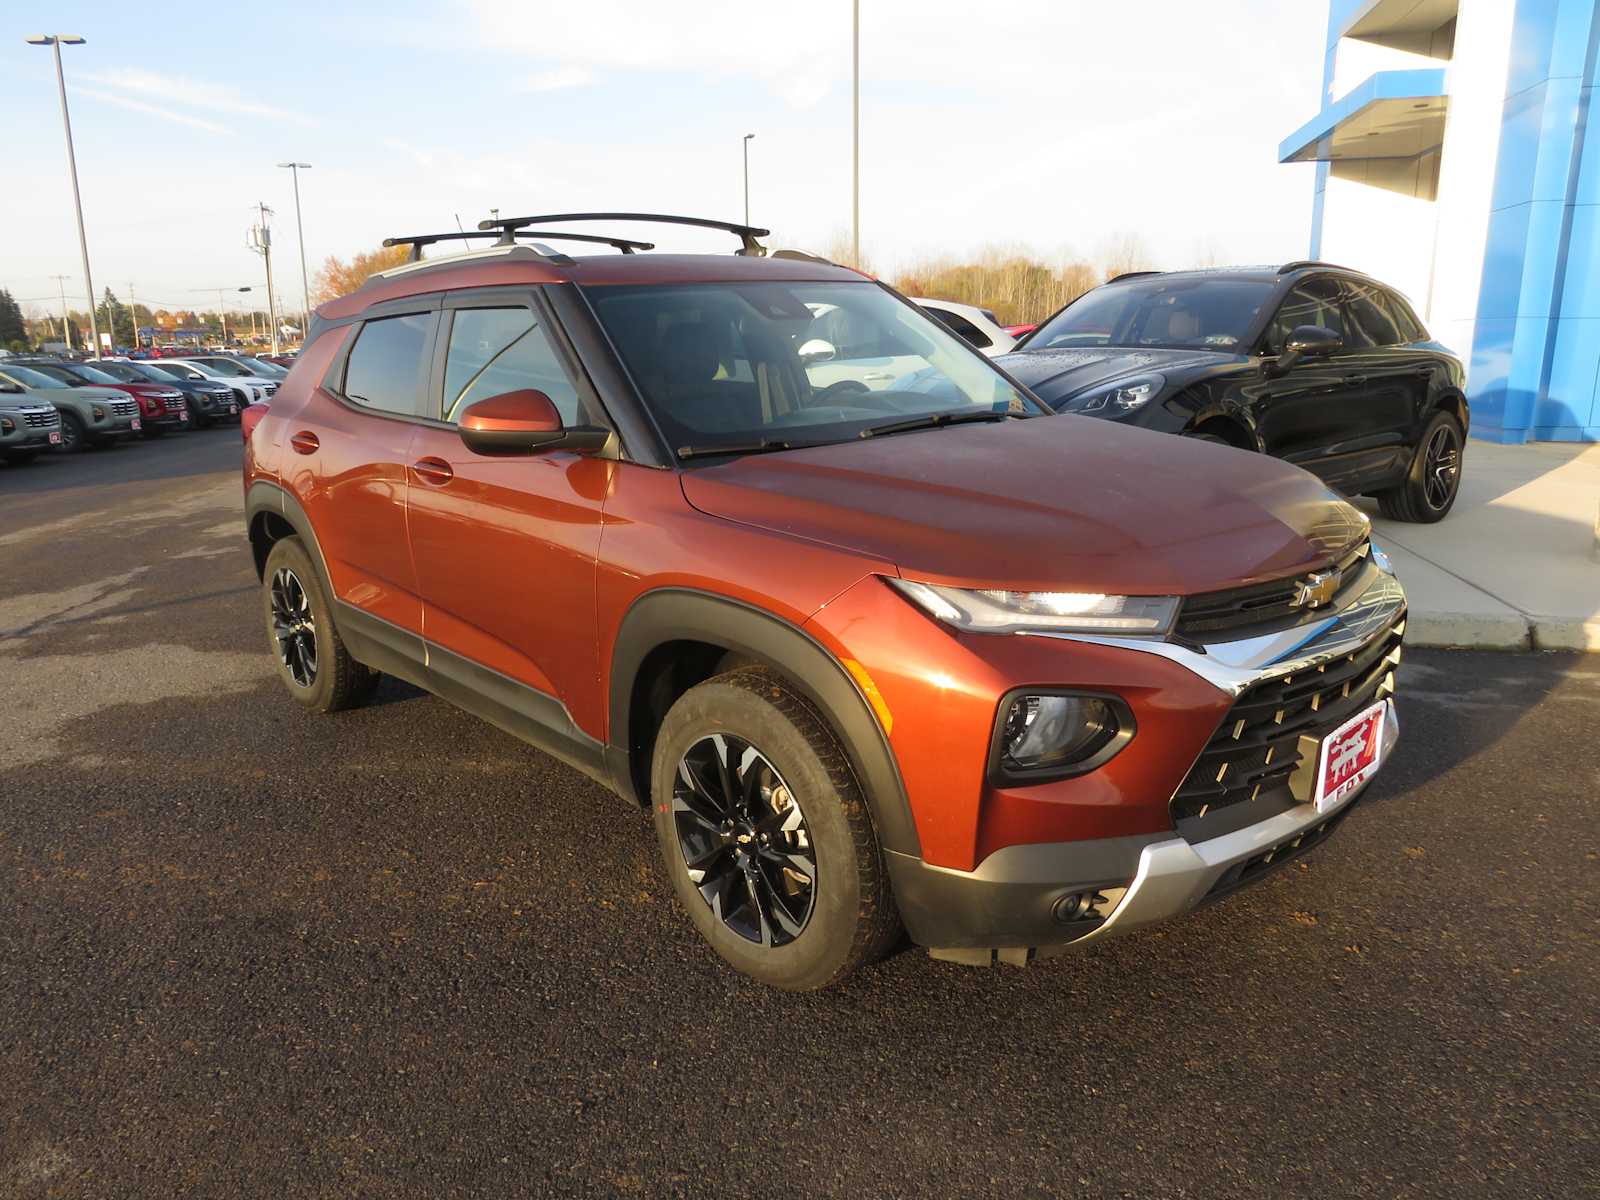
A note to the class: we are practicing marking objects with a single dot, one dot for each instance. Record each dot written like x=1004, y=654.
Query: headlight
x=1117, y=398
x=1045, y=734
x=1023, y=612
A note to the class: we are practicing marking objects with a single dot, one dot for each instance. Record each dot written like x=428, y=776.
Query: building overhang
x=1400, y=24
x=1392, y=114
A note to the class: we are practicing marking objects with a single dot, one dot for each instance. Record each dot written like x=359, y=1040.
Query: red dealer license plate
x=136, y=425
x=1350, y=756
x=55, y=437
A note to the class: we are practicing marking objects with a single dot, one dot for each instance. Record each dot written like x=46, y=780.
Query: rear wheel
x=766, y=835
x=1434, y=479
x=312, y=660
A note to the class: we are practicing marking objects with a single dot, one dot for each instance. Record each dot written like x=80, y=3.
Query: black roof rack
x=1133, y=275
x=418, y=241
x=747, y=234
x=1301, y=264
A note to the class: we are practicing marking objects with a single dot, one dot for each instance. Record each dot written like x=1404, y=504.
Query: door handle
x=304, y=442
x=433, y=470
x=1354, y=380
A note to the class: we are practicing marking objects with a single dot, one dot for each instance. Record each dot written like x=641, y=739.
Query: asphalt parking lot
x=246, y=951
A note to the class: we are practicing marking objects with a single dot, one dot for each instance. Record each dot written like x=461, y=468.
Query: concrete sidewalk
x=1516, y=564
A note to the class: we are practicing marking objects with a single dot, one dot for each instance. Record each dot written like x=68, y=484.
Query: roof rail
x=747, y=234
x=1301, y=264
x=1133, y=275
x=418, y=241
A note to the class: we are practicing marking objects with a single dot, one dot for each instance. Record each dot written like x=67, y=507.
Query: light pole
x=66, y=331
x=747, y=138
x=855, y=133
x=55, y=41
x=300, y=231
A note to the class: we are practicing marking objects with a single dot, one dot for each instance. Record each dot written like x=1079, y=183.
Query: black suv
x=1313, y=363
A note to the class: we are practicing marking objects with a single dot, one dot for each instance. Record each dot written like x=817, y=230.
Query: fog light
x=7, y=425
x=1093, y=905
x=1043, y=733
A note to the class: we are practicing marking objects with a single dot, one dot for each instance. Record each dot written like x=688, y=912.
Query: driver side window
x=1314, y=302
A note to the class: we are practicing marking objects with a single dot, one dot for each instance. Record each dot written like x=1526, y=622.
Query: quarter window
x=495, y=350
x=388, y=364
x=960, y=326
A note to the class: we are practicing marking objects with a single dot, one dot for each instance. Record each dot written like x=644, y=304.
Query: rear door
x=506, y=547
x=1387, y=377
x=347, y=454
x=1303, y=414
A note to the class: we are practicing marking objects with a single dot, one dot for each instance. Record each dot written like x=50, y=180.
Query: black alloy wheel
x=744, y=840
x=72, y=437
x=295, y=627
x=1441, y=467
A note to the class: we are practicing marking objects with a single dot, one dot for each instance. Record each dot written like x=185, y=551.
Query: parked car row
x=883, y=644
x=49, y=403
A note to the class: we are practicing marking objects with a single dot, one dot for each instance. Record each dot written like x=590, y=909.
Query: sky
x=1054, y=126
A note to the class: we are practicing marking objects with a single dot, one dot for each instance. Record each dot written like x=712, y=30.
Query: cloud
x=190, y=93
x=166, y=114
x=568, y=76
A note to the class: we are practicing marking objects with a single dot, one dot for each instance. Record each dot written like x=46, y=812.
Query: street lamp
x=747, y=138
x=305, y=287
x=55, y=41
x=855, y=134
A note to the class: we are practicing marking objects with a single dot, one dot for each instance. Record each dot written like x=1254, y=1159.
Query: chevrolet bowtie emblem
x=1316, y=589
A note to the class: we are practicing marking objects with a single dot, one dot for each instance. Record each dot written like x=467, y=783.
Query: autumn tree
x=339, y=277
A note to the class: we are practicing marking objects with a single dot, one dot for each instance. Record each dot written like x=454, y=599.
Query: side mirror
x=817, y=351
x=1304, y=341
x=523, y=422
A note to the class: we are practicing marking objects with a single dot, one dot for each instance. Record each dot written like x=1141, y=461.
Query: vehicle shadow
x=172, y=457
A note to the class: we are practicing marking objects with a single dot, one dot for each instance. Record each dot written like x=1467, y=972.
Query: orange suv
x=882, y=645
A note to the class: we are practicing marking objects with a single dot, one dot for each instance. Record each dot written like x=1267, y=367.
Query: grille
x=269, y=388
x=1285, y=852
x=174, y=404
x=124, y=408
x=45, y=419
x=1246, y=610
x=1257, y=749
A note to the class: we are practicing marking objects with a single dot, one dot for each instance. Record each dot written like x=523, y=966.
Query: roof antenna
x=457, y=216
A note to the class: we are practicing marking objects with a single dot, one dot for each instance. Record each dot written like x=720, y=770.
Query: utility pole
x=133, y=317
x=261, y=242
x=747, y=138
x=855, y=133
x=66, y=330
x=55, y=41
x=300, y=231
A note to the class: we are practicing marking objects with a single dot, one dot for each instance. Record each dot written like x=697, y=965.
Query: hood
x=1052, y=375
x=1050, y=503
x=99, y=391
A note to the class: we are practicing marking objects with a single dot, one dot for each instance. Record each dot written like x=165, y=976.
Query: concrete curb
x=1479, y=631
x=1555, y=633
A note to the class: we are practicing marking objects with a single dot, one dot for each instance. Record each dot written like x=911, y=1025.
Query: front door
x=506, y=546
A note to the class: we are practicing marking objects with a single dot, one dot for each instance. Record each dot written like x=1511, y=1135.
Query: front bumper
x=1023, y=901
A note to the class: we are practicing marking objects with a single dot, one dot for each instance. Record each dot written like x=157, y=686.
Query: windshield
x=122, y=372
x=93, y=374
x=741, y=365
x=176, y=370
x=32, y=379
x=263, y=369
x=1208, y=313
x=222, y=366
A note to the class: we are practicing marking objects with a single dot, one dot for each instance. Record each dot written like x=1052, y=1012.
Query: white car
x=976, y=326
x=249, y=388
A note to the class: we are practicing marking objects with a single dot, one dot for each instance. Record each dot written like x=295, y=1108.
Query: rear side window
x=1314, y=302
x=495, y=350
x=959, y=325
x=1411, y=329
x=388, y=364
x=1369, y=319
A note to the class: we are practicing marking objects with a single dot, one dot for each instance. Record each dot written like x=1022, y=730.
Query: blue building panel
x=1570, y=400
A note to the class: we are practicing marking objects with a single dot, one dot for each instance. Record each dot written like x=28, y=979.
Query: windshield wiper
x=935, y=420
x=734, y=448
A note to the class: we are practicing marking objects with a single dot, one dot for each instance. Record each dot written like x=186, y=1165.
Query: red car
x=162, y=409
x=1017, y=331
x=877, y=653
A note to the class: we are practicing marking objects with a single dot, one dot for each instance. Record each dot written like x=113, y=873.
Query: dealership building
x=1458, y=160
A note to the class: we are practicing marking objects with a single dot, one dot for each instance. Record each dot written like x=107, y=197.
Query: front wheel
x=1434, y=479
x=72, y=434
x=766, y=836
x=312, y=660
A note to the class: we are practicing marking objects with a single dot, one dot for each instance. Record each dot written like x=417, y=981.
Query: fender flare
x=679, y=614
x=263, y=496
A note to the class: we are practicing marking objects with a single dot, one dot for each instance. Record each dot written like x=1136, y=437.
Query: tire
x=73, y=437
x=311, y=656
x=1427, y=495
x=1208, y=437
x=795, y=937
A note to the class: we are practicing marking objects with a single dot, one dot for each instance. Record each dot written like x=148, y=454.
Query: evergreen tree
x=13, y=332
